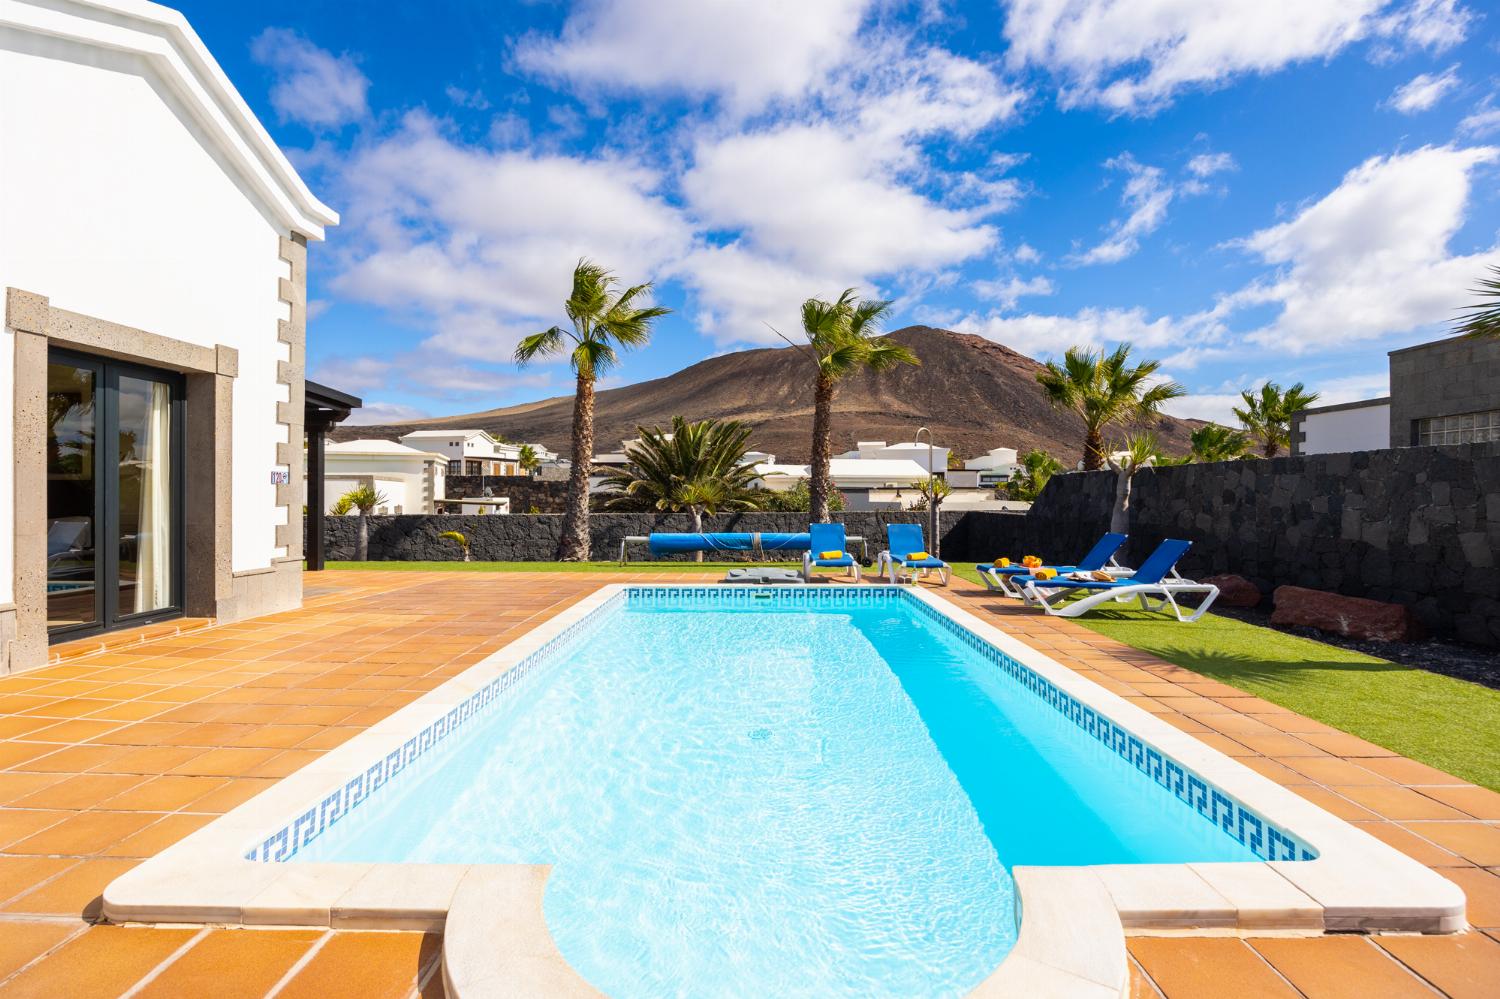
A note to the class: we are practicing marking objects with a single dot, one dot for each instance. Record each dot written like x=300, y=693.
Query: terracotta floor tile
x=158, y=836
x=1342, y=744
x=1205, y=967
x=1332, y=771
x=75, y=892
x=1281, y=746
x=367, y=965
x=1399, y=803
x=1334, y=804
x=16, y=824
x=233, y=964
x=1278, y=772
x=19, y=875
x=76, y=730
x=130, y=711
x=1224, y=744
x=100, y=963
x=1482, y=887
x=1340, y=968
x=1414, y=846
x=164, y=794
x=231, y=795
x=275, y=736
x=152, y=761
x=20, y=754
x=287, y=762
x=84, y=833
x=1480, y=802
x=1399, y=768
x=22, y=943
x=1140, y=985
x=225, y=762
x=83, y=791
x=1476, y=842
x=17, y=785
x=1463, y=965
x=73, y=759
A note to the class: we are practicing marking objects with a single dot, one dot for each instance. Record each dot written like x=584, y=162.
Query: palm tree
x=365, y=499
x=844, y=337
x=1483, y=317
x=1267, y=415
x=1212, y=442
x=932, y=488
x=1138, y=452
x=1027, y=482
x=528, y=459
x=603, y=322
x=1104, y=389
x=698, y=467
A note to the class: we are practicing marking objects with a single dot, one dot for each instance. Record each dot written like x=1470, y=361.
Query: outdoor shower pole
x=932, y=497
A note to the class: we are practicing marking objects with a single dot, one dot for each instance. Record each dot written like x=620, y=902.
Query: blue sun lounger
x=1149, y=583
x=828, y=538
x=902, y=540
x=1101, y=556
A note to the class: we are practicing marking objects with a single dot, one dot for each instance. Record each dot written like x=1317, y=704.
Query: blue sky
x=1245, y=189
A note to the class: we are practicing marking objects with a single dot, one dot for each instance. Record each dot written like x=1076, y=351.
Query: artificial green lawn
x=1446, y=723
x=1443, y=722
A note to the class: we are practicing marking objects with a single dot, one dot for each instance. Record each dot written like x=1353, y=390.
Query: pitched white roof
x=461, y=434
x=164, y=40
x=379, y=447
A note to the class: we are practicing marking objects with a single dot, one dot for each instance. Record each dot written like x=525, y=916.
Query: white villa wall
x=1367, y=428
x=130, y=217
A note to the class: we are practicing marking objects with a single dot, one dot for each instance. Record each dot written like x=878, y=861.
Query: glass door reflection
x=144, y=494
x=72, y=495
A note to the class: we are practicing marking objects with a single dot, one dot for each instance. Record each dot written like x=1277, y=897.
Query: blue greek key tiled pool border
x=1263, y=838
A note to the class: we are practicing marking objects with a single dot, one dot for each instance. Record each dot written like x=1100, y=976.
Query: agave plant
x=1267, y=414
x=695, y=467
x=1104, y=390
x=603, y=322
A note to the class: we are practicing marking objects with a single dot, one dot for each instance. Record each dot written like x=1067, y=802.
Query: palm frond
x=549, y=341
x=1482, y=319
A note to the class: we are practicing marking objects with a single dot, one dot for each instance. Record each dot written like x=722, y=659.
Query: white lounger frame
x=808, y=567
x=1162, y=591
x=889, y=566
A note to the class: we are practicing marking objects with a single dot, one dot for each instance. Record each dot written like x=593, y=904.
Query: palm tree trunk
x=1270, y=447
x=1119, y=519
x=362, y=539
x=1093, y=450
x=574, y=546
x=697, y=529
x=822, y=449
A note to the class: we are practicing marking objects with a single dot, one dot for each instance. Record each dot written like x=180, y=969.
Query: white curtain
x=153, y=583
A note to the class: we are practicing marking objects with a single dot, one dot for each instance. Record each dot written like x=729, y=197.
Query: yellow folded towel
x=1045, y=574
x=831, y=555
x=1002, y=563
x=1031, y=562
x=917, y=557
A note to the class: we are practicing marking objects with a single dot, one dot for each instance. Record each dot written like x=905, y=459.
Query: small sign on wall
x=280, y=477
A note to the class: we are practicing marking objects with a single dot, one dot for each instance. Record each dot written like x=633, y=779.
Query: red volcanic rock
x=1234, y=591
x=1353, y=617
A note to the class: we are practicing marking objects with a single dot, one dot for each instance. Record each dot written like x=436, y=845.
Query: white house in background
x=931, y=460
x=411, y=480
x=469, y=452
x=866, y=484
x=991, y=469
x=153, y=256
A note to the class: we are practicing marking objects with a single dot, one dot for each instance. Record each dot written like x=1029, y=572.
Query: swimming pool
x=838, y=777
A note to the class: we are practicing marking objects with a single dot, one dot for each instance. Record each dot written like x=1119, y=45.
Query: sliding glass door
x=114, y=494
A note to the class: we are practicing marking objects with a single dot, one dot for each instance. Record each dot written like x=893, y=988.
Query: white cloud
x=485, y=241
x=1423, y=91
x=1045, y=335
x=738, y=293
x=1483, y=120
x=1006, y=293
x=313, y=86
x=1026, y=254
x=1136, y=55
x=1352, y=388
x=374, y=413
x=1215, y=407
x=1147, y=194
x=746, y=51
x=1371, y=258
x=1205, y=165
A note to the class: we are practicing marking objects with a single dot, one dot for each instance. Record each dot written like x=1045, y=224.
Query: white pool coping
x=1357, y=882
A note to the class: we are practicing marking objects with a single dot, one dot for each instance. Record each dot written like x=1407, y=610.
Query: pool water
x=789, y=801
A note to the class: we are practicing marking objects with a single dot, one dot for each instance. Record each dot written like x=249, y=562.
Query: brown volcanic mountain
x=975, y=395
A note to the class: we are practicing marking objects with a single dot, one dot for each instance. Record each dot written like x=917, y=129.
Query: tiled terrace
x=112, y=754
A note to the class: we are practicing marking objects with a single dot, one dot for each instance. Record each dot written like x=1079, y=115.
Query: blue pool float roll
x=672, y=544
